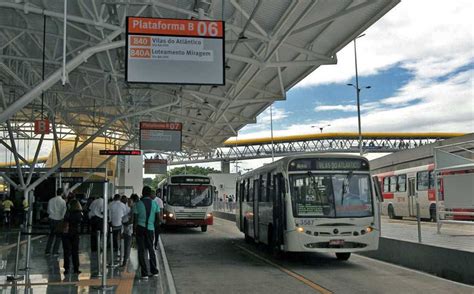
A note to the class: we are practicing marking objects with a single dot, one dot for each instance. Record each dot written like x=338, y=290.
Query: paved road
x=219, y=261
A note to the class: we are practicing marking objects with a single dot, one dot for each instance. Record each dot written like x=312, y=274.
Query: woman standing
x=72, y=222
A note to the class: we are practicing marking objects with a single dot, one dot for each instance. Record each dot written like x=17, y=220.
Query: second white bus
x=187, y=201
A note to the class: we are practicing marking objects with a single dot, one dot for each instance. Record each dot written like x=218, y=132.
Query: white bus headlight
x=170, y=215
x=208, y=215
x=300, y=229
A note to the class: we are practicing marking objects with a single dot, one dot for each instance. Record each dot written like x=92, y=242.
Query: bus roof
x=283, y=162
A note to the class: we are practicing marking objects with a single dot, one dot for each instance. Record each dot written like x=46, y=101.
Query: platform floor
x=452, y=236
x=47, y=273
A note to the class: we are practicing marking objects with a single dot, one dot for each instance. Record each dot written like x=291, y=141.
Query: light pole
x=321, y=127
x=356, y=86
x=271, y=130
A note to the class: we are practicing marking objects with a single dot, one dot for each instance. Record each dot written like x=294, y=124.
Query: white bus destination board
x=160, y=136
x=156, y=166
x=175, y=51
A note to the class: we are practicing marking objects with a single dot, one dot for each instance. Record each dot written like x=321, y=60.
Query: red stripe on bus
x=388, y=195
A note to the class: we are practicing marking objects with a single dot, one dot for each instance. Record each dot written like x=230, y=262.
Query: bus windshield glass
x=331, y=195
x=190, y=195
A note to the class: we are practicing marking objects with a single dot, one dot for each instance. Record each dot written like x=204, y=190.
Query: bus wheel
x=433, y=213
x=204, y=228
x=343, y=255
x=248, y=239
x=391, y=212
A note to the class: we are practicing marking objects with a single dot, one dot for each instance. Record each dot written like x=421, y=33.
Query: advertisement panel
x=158, y=136
x=155, y=166
x=175, y=51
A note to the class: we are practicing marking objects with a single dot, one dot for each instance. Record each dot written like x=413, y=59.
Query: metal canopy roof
x=270, y=46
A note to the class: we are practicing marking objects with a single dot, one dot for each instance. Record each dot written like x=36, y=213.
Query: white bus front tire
x=343, y=255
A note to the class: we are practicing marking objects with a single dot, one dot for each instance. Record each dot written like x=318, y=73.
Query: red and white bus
x=399, y=190
x=401, y=187
x=187, y=201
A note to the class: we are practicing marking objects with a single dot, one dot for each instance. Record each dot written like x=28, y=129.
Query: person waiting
x=96, y=210
x=146, y=219
x=157, y=229
x=117, y=211
x=128, y=228
x=56, y=212
x=70, y=237
x=7, y=205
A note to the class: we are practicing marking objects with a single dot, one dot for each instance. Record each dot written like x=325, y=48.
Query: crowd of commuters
x=127, y=217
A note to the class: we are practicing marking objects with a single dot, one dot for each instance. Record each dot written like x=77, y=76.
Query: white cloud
x=277, y=114
x=346, y=107
x=429, y=38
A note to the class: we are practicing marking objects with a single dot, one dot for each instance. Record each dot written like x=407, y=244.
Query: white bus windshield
x=331, y=195
x=190, y=195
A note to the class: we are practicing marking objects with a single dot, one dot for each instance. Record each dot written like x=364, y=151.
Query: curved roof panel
x=269, y=45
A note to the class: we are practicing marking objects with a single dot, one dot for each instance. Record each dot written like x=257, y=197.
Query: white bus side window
x=402, y=183
x=386, y=184
x=393, y=183
x=422, y=181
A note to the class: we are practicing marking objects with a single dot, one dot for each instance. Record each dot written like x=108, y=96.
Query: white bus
x=187, y=201
x=402, y=188
x=311, y=203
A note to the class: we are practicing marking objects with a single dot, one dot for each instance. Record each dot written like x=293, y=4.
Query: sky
x=419, y=67
x=418, y=60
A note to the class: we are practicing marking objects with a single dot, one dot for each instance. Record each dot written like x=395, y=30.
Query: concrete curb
x=167, y=280
x=443, y=262
x=225, y=215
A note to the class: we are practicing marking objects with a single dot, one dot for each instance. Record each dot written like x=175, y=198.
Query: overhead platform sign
x=175, y=51
x=155, y=166
x=160, y=136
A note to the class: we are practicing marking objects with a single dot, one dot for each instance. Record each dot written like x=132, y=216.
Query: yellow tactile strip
x=124, y=283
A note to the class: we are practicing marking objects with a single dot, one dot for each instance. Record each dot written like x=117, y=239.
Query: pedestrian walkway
x=453, y=236
x=47, y=273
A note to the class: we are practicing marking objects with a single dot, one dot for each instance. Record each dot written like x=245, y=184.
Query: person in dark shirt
x=70, y=237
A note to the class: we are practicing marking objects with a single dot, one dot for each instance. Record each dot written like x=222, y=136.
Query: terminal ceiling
x=270, y=46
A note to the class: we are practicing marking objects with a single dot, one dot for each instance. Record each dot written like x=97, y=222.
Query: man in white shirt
x=117, y=211
x=56, y=212
x=96, y=210
x=158, y=200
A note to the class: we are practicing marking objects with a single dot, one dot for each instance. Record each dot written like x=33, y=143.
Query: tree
x=148, y=182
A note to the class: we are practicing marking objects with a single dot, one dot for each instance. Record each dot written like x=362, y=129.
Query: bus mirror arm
x=378, y=192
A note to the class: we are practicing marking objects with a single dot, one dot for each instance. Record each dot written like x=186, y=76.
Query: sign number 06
x=207, y=28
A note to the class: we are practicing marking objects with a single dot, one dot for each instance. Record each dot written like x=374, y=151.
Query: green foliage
x=190, y=170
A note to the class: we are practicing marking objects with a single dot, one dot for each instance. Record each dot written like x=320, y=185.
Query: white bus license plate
x=336, y=242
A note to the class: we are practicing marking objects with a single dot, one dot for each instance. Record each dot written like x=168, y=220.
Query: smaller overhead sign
x=155, y=166
x=160, y=136
x=42, y=126
x=120, y=152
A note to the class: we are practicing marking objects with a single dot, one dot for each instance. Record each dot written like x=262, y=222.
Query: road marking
x=291, y=273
